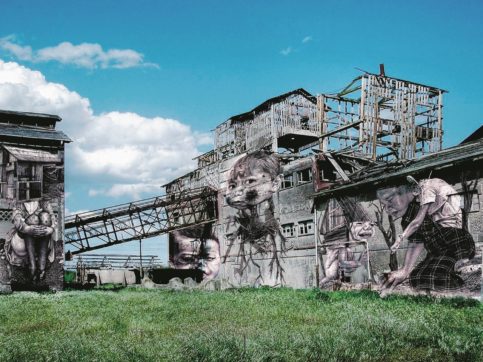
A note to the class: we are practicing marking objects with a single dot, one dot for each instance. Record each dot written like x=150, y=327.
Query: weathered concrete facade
x=299, y=209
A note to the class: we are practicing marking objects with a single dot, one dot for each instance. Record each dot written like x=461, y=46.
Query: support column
x=273, y=129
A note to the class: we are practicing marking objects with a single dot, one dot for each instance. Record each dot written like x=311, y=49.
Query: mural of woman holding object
x=431, y=219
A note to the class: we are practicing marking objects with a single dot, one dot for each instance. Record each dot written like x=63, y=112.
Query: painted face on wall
x=192, y=253
x=362, y=230
x=395, y=200
x=248, y=189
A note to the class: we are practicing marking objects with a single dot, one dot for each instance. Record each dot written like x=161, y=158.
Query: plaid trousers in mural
x=444, y=246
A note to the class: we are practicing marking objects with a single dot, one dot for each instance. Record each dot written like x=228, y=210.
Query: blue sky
x=135, y=82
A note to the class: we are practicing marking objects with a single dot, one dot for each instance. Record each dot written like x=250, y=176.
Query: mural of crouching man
x=432, y=220
x=31, y=240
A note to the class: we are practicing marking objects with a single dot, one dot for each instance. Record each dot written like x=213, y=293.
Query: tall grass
x=237, y=325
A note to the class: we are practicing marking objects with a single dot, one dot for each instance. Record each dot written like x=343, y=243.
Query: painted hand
x=49, y=230
x=29, y=229
x=393, y=280
x=41, y=230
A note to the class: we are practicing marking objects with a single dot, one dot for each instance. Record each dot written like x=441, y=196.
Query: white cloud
x=135, y=190
x=286, y=51
x=19, y=51
x=136, y=149
x=84, y=55
x=115, y=153
x=74, y=212
x=289, y=50
x=23, y=89
x=203, y=138
x=307, y=39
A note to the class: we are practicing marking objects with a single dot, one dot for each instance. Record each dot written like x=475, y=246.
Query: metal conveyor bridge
x=139, y=220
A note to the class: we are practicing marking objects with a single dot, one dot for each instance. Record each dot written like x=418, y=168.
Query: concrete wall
x=288, y=256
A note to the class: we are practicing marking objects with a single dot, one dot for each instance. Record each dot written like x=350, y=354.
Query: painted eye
x=250, y=181
x=231, y=186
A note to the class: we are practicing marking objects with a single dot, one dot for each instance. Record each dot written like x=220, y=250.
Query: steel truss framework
x=139, y=220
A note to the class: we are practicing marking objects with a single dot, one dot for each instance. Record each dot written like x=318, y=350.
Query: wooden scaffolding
x=382, y=118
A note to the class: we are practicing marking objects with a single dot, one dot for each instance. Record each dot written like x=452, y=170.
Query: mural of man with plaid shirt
x=431, y=218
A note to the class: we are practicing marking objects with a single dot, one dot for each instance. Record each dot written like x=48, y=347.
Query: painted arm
x=19, y=221
x=412, y=255
x=416, y=223
x=49, y=230
x=22, y=226
x=411, y=228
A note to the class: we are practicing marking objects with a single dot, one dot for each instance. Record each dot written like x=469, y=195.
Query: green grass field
x=237, y=325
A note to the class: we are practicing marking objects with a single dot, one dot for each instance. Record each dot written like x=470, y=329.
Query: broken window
x=306, y=227
x=28, y=190
x=304, y=123
x=304, y=176
x=287, y=181
x=288, y=230
x=326, y=171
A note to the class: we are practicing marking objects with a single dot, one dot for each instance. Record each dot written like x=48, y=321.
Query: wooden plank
x=336, y=166
x=340, y=129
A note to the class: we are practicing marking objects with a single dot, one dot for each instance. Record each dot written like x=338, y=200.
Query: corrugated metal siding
x=25, y=132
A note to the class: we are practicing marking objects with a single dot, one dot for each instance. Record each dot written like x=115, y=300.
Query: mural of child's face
x=193, y=254
x=250, y=189
x=395, y=200
x=362, y=230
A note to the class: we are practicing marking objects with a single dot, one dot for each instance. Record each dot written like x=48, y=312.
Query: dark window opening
x=287, y=181
x=304, y=176
x=28, y=190
x=306, y=227
x=288, y=230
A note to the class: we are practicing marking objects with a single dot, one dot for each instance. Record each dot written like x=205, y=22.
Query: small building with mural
x=31, y=201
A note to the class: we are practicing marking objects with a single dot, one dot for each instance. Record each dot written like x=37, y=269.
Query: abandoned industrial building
x=321, y=222
x=329, y=190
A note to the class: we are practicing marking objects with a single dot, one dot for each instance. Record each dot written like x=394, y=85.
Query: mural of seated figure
x=30, y=241
x=431, y=219
x=345, y=224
